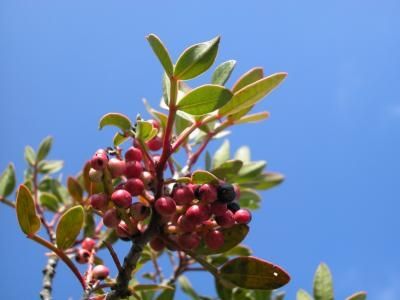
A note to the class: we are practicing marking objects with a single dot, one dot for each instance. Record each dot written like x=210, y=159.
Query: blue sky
x=333, y=129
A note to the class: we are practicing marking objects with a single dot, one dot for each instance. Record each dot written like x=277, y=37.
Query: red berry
x=133, y=153
x=110, y=218
x=208, y=193
x=123, y=230
x=183, y=195
x=157, y=244
x=242, y=216
x=99, y=160
x=214, y=239
x=133, y=169
x=195, y=214
x=185, y=225
x=226, y=220
x=117, y=167
x=139, y=211
x=88, y=244
x=189, y=240
x=155, y=143
x=165, y=206
x=100, y=272
x=121, y=198
x=218, y=208
x=82, y=256
x=134, y=186
x=99, y=201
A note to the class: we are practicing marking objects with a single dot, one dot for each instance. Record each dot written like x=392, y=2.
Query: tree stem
x=48, y=274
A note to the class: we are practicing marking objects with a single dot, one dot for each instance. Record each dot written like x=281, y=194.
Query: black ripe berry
x=233, y=207
x=226, y=193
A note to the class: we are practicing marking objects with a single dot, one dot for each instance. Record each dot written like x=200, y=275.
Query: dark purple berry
x=233, y=207
x=226, y=193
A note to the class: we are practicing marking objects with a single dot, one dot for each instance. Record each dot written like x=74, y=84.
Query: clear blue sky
x=333, y=131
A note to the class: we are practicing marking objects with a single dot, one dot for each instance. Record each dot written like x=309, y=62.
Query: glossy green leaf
x=181, y=124
x=358, y=296
x=69, y=226
x=243, y=154
x=248, y=78
x=252, y=169
x=49, y=201
x=151, y=287
x=161, y=52
x=89, y=224
x=119, y=139
x=254, y=273
x=75, y=189
x=228, y=168
x=263, y=182
x=238, y=250
x=222, y=154
x=233, y=236
x=166, y=89
x=323, y=287
x=183, y=180
x=253, y=118
x=262, y=295
x=145, y=131
x=303, y=295
x=204, y=99
x=223, y=292
x=161, y=117
x=26, y=213
x=187, y=287
x=44, y=148
x=167, y=294
x=223, y=72
x=196, y=59
x=7, y=181
x=50, y=166
x=251, y=94
x=249, y=199
x=30, y=155
x=201, y=177
x=54, y=187
x=115, y=119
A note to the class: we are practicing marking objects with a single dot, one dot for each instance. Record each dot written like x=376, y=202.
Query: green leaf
x=151, y=287
x=44, y=148
x=254, y=273
x=75, y=189
x=233, y=236
x=30, y=155
x=251, y=94
x=252, y=169
x=69, y=226
x=7, y=181
x=228, y=168
x=249, y=199
x=204, y=99
x=201, y=177
x=167, y=294
x=222, y=154
x=115, y=119
x=166, y=89
x=161, y=52
x=119, y=139
x=89, y=225
x=26, y=213
x=262, y=295
x=145, y=131
x=187, y=287
x=196, y=59
x=303, y=295
x=223, y=292
x=163, y=118
x=358, y=296
x=238, y=250
x=248, y=78
x=181, y=124
x=49, y=201
x=208, y=161
x=253, y=118
x=263, y=182
x=223, y=72
x=50, y=166
x=323, y=287
x=243, y=154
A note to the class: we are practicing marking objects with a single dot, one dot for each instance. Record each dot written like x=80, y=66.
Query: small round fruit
x=133, y=169
x=185, y=225
x=133, y=154
x=242, y=216
x=123, y=230
x=155, y=143
x=99, y=160
x=95, y=175
x=121, y=198
x=82, y=256
x=218, y=208
x=117, y=167
x=157, y=244
x=226, y=193
x=134, y=186
x=189, y=240
x=139, y=211
x=165, y=206
x=99, y=201
x=233, y=207
x=207, y=193
x=214, y=239
x=226, y=220
x=110, y=218
x=88, y=244
x=100, y=272
x=183, y=195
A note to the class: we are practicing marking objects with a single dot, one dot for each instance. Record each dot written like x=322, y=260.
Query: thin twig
x=113, y=255
x=7, y=202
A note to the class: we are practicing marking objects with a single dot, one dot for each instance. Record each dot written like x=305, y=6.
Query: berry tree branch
x=48, y=274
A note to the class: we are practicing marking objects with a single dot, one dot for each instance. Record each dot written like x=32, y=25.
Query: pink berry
x=165, y=206
x=214, y=239
x=133, y=169
x=121, y=198
x=242, y=216
x=134, y=186
x=99, y=160
x=88, y=244
x=195, y=214
x=157, y=244
x=185, y=225
x=117, y=167
x=183, y=195
x=139, y=211
x=189, y=240
x=226, y=220
x=82, y=256
x=100, y=272
x=155, y=143
x=218, y=208
x=110, y=218
x=99, y=201
x=208, y=193
x=133, y=154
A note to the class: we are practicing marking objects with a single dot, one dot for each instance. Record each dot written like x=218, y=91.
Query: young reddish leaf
x=161, y=52
x=254, y=273
x=303, y=295
x=323, y=287
x=202, y=177
x=69, y=226
x=75, y=189
x=247, y=78
x=204, y=99
x=196, y=59
x=7, y=181
x=358, y=296
x=115, y=119
x=223, y=72
x=26, y=212
x=251, y=94
x=233, y=236
x=44, y=148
